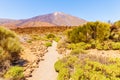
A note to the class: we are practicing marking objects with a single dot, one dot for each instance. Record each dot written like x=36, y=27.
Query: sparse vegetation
x=48, y=44
x=14, y=73
x=93, y=35
x=92, y=30
x=78, y=65
x=50, y=36
x=85, y=66
x=9, y=42
x=10, y=48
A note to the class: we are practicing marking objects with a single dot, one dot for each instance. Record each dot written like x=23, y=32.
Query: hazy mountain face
x=53, y=19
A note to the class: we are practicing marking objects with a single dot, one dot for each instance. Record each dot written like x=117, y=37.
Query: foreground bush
x=9, y=48
x=14, y=73
x=115, y=45
x=9, y=41
x=88, y=67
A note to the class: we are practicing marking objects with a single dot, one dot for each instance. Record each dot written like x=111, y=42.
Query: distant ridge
x=52, y=19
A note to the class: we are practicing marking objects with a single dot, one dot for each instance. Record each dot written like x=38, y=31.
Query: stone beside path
x=46, y=69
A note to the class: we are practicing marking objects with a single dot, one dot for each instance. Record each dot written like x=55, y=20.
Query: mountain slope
x=59, y=19
x=53, y=19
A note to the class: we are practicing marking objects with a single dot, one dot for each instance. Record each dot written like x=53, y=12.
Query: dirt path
x=46, y=69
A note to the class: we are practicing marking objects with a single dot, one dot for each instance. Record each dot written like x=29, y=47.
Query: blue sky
x=90, y=10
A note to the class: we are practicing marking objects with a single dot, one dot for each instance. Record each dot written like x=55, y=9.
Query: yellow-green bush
x=91, y=30
x=14, y=73
x=59, y=65
x=86, y=67
x=9, y=42
x=48, y=44
x=50, y=36
x=80, y=45
x=117, y=24
x=78, y=51
x=115, y=45
x=63, y=74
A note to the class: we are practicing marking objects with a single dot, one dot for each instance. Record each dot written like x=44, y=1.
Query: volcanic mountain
x=52, y=19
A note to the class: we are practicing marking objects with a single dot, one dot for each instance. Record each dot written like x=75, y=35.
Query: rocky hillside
x=59, y=19
x=52, y=19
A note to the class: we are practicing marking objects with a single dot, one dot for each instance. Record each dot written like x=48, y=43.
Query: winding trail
x=46, y=69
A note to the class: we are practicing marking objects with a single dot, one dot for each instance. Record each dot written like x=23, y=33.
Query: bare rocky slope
x=52, y=19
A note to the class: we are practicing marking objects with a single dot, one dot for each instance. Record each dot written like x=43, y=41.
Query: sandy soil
x=103, y=53
x=46, y=69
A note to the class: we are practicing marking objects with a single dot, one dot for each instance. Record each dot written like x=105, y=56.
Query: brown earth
x=46, y=70
x=32, y=53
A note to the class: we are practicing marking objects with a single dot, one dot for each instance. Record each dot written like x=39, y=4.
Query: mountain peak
x=57, y=13
x=51, y=19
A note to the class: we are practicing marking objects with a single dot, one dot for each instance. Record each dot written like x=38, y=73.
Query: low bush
x=77, y=74
x=35, y=37
x=10, y=48
x=50, y=36
x=57, y=39
x=59, y=65
x=91, y=30
x=99, y=46
x=71, y=46
x=88, y=68
x=63, y=74
x=48, y=44
x=78, y=51
x=14, y=73
x=106, y=47
x=4, y=56
x=10, y=42
x=80, y=45
x=115, y=45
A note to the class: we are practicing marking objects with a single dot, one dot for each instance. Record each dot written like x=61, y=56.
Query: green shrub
x=29, y=41
x=4, y=56
x=63, y=74
x=117, y=24
x=50, y=36
x=48, y=44
x=106, y=47
x=9, y=43
x=80, y=45
x=93, y=43
x=87, y=46
x=36, y=37
x=87, y=68
x=115, y=45
x=5, y=33
x=78, y=51
x=77, y=74
x=91, y=30
x=57, y=39
x=59, y=65
x=99, y=46
x=14, y=73
x=71, y=61
x=71, y=46
x=12, y=45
